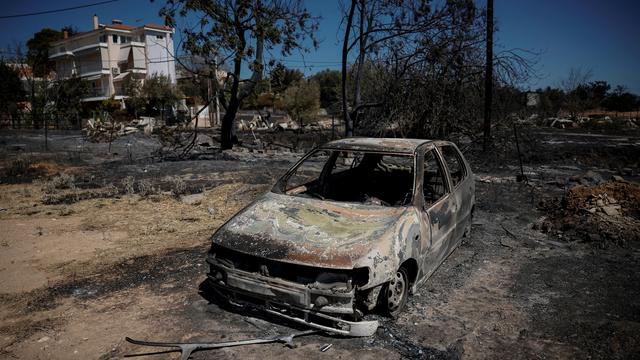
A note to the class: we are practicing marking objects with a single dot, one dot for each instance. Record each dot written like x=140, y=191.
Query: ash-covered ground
x=98, y=245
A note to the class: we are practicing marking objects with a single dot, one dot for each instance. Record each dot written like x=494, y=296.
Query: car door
x=438, y=211
x=460, y=187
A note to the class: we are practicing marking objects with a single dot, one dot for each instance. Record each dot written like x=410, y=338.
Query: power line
x=57, y=10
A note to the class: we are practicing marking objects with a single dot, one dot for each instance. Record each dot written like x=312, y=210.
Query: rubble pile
x=603, y=203
x=105, y=130
x=615, y=197
x=605, y=213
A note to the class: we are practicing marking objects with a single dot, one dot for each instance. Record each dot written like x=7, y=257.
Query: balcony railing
x=89, y=67
x=95, y=93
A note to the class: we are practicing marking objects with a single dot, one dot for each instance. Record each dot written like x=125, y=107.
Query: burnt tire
x=394, y=294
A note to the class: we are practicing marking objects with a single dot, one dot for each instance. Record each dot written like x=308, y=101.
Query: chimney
x=95, y=22
x=65, y=34
x=116, y=22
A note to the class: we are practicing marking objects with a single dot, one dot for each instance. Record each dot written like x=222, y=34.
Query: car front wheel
x=394, y=294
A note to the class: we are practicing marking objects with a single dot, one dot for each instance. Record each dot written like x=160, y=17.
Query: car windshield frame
x=278, y=188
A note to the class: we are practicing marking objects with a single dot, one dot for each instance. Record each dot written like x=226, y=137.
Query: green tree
x=252, y=101
x=135, y=100
x=551, y=100
x=302, y=100
x=282, y=77
x=38, y=51
x=110, y=105
x=329, y=81
x=41, y=67
x=244, y=32
x=67, y=98
x=11, y=92
x=160, y=95
x=621, y=100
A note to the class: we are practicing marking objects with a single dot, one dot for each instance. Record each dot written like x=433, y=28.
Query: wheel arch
x=411, y=265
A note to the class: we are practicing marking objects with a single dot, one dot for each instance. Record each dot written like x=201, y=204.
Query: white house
x=108, y=54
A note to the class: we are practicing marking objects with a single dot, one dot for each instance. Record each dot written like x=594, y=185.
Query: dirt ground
x=79, y=276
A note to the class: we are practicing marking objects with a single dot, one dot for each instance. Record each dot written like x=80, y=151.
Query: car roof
x=395, y=145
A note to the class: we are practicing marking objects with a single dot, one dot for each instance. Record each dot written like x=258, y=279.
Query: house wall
x=76, y=42
x=97, y=54
x=159, y=46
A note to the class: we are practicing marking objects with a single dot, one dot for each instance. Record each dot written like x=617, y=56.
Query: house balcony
x=64, y=51
x=95, y=94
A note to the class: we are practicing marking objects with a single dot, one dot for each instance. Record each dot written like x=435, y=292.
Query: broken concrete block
x=193, y=199
x=611, y=210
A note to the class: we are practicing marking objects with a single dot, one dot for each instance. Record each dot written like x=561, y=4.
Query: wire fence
x=54, y=121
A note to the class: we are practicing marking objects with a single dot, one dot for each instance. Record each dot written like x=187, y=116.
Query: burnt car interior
x=363, y=177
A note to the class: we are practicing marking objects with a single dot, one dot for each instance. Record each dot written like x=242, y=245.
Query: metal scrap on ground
x=186, y=349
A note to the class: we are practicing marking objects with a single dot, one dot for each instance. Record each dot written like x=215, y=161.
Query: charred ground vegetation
x=105, y=236
x=498, y=282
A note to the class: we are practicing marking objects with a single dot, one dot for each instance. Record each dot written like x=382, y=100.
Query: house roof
x=407, y=146
x=159, y=27
x=120, y=27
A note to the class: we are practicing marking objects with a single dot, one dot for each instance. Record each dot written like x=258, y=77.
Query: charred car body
x=356, y=224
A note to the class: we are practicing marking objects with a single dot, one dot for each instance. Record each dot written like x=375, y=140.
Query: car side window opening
x=434, y=187
x=454, y=163
x=361, y=177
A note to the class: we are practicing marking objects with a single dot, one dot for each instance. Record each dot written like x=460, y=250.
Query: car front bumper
x=318, y=308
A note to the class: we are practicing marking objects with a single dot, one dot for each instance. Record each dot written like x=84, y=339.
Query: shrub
x=179, y=186
x=19, y=166
x=145, y=188
x=128, y=184
x=62, y=181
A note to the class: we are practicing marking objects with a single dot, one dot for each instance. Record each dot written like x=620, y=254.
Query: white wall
x=160, y=53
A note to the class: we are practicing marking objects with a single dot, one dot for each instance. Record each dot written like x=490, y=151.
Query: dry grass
x=153, y=223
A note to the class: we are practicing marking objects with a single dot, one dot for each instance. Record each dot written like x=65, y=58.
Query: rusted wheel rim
x=396, y=291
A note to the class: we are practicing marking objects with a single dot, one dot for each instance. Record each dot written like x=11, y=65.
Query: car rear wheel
x=394, y=295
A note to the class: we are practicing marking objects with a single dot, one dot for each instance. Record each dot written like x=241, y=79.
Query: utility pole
x=215, y=76
x=209, y=114
x=488, y=78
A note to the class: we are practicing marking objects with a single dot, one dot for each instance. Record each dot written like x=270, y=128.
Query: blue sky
x=603, y=36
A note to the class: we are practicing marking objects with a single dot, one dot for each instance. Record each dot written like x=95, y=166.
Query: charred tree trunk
x=227, y=124
x=357, y=91
x=348, y=123
x=488, y=78
x=237, y=94
x=226, y=136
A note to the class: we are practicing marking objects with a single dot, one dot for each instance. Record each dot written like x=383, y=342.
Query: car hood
x=310, y=231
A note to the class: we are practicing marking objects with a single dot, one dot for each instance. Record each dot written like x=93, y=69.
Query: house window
x=103, y=38
x=159, y=37
x=114, y=38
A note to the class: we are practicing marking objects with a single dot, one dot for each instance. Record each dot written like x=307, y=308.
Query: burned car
x=355, y=226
